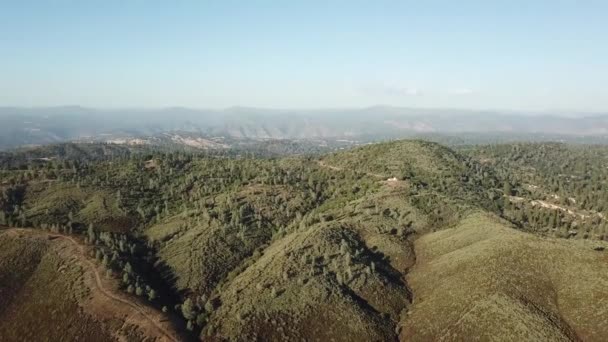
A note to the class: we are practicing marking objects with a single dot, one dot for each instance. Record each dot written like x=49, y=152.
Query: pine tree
x=91, y=233
x=188, y=309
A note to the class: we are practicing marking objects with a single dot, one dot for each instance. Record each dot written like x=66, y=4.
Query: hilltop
x=404, y=240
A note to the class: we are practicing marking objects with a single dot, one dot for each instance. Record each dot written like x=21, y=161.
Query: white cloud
x=392, y=90
x=461, y=91
x=411, y=91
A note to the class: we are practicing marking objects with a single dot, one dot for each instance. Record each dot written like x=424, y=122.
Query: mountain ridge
x=22, y=126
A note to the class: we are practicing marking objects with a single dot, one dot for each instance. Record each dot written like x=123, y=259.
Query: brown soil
x=106, y=302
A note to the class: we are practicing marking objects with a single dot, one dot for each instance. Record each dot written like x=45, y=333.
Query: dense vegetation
x=136, y=206
x=223, y=238
x=553, y=188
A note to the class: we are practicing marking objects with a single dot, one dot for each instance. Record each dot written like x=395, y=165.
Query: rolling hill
x=484, y=279
x=405, y=240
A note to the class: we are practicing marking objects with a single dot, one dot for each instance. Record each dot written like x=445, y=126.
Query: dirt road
x=144, y=312
x=335, y=168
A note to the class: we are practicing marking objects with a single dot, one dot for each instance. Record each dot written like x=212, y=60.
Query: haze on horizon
x=546, y=55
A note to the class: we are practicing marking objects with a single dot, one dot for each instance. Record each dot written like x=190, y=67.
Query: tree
x=188, y=309
x=201, y=319
x=106, y=261
x=507, y=189
x=91, y=233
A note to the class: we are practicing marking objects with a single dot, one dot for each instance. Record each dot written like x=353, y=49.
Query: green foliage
x=181, y=228
x=91, y=233
x=557, y=189
x=188, y=310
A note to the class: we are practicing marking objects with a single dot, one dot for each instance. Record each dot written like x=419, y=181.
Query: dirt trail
x=108, y=293
x=335, y=168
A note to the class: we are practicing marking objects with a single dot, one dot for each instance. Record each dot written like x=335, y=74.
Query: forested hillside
x=332, y=247
x=552, y=188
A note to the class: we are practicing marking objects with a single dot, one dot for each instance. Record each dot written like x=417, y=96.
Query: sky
x=516, y=55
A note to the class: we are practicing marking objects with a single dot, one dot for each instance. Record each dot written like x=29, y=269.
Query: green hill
x=485, y=279
x=405, y=239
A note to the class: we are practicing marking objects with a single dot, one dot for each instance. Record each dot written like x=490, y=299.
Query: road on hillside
x=335, y=168
x=105, y=292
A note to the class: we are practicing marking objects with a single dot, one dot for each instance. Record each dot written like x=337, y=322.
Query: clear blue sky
x=540, y=55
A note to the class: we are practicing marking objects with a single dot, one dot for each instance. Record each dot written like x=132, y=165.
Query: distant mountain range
x=34, y=126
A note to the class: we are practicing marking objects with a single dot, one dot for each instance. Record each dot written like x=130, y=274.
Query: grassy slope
x=203, y=255
x=296, y=282
x=41, y=292
x=50, y=293
x=47, y=201
x=487, y=280
x=442, y=182
x=395, y=159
